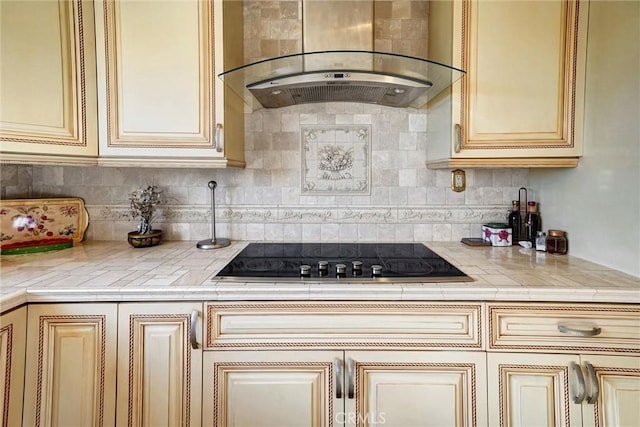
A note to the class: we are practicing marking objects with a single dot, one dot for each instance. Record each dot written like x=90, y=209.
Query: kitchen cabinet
x=358, y=363
x=48, y=106
x=558, y=370
x=160, y=102
x=70, y=365
x=521, y=102
x=13, y=333
x=324, y=387
x=159, y=364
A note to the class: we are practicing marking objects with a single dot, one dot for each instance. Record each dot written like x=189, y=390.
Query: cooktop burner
x=365, y=262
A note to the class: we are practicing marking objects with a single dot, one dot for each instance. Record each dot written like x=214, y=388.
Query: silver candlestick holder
x=214, y=242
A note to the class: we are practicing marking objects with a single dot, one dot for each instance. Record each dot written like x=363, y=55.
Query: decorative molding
x=310, y=214
x=8, y=331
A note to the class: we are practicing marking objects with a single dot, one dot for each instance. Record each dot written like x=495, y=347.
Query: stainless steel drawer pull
x=194, y=321
x=579, y=332
x=350, y=378
x=594, y=386
x=578, y=389
x=337, y=368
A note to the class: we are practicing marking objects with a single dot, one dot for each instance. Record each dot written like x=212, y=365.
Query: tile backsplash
x=407, y=202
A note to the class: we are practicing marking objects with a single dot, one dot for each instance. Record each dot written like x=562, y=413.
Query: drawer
x=342, y=325
x=563, y=327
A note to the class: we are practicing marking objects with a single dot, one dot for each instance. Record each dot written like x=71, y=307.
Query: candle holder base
x=213, y=243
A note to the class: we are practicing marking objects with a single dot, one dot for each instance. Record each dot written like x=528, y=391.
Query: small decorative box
x=499, y=234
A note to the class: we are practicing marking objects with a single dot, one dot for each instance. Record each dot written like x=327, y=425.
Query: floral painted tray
x=38, y=225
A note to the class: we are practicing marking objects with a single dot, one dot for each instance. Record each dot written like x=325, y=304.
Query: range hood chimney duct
x=339, y=65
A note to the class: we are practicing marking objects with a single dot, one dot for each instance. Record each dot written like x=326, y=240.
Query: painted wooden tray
x=38, y=225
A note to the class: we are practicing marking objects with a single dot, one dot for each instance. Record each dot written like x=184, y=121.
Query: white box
x=499, y=234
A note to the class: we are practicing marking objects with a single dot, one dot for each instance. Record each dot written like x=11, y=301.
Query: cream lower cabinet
x=344, y=363
x=70, y=365
x=521, y=102
x=48, y=107
x=13, y=333
x=564, y=364
x=334, y=388
x=159, y=364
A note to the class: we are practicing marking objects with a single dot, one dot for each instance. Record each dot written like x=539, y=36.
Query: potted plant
x=143, y=207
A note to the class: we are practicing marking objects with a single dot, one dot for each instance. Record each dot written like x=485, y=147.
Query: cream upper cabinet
x=521, y=102
x=48, y=110
x=71, y=365
x=160, y=100
x=13, y=333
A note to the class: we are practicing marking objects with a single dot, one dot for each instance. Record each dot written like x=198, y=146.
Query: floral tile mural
x=336, y=159
x=36, y=225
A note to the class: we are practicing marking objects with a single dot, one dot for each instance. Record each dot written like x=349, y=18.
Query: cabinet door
x=13, y=332
x=532, y=390
x=70, y=365
x=272, y=388
x=404, y=389
x=47, y=82
x=159, y=98
x=521, y=102
x=159, y=371
x=618, y=384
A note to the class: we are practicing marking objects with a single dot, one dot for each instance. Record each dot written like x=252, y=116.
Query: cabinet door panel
x=406, y=389
x=47, y=83
x=156, y=75
x=619, y=384
x=13, y=331
x=270, y=388
x=531, y=390
x=71, y=355
x=159, y=373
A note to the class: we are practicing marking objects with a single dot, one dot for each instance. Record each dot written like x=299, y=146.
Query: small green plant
x=143, y=204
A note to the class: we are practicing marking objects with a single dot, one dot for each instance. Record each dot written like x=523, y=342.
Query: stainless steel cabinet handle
x=219, y=137
x=337, y=368
x=579, y=332
x=194, y=321
x=350, y=378
x=458, y=137
x=594, y=385
x=578, y=383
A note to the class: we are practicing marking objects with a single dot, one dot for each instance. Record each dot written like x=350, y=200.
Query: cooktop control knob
x=305, y=270
x=357, y=267
x=341, y=269
x=376, y=270
x=323, y=268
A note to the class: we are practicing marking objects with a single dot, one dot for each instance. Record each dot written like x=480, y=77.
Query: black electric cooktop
x=364, y=262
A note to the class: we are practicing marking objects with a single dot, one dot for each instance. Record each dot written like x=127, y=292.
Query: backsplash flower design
x=336, y=159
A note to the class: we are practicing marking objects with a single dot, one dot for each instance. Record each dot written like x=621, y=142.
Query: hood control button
x=341, y=269
x=357, y=267
x=305, y=270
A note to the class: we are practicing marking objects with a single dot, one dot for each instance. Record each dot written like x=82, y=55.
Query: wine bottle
x=515, y=222
x=531, y=223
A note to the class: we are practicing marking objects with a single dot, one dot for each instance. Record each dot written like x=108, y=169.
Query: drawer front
x=566, y=328
x=342, y=325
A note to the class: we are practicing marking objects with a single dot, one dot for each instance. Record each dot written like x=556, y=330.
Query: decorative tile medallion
x=336, y=159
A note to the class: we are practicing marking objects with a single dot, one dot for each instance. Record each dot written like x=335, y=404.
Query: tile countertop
x=96, y=271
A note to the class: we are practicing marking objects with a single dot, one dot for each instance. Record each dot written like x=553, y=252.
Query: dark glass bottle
x=531, y=223
x=515, y=222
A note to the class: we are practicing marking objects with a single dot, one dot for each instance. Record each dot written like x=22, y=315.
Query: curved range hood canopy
x=340, y=75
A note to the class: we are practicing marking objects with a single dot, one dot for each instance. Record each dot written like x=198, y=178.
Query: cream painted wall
x=598, y=203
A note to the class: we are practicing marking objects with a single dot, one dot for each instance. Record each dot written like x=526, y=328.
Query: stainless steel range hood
x=339, y=64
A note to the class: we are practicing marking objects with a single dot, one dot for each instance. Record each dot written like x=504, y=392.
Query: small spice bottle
x=557, y=242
